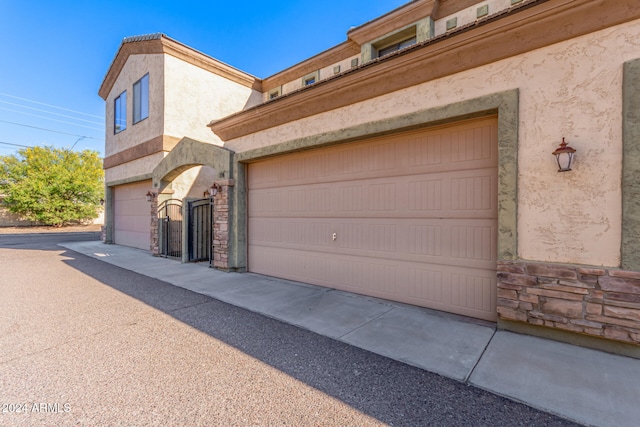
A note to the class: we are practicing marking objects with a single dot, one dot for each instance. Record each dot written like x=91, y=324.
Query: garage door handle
x=335, y=236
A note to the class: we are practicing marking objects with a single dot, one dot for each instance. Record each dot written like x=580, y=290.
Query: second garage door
x=410, y=217
x=132, y=220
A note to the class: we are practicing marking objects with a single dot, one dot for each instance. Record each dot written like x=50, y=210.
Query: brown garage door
x=132, y=218
x=410, y=217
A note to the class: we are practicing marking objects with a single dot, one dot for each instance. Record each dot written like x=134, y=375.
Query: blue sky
x=54, y=54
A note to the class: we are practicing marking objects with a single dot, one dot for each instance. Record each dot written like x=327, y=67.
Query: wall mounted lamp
x=564, y=156
x=213, y=190
x=149, y=196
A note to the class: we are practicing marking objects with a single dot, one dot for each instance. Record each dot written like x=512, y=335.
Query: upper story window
x=274, y=93
x=120, y=113
x=311, y=78
x=141, y=99
x=401, y=38
x=396, y=46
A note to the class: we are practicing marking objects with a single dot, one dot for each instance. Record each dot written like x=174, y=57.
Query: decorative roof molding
x=161, y=44
x=325, y=59
x=399, y=18
x=392, y=21
x=449, y=7
x=514, y=32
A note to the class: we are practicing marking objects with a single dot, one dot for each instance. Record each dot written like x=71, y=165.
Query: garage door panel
x=453, y=242
x=468, y=194
x=267, y=202
x=472, y=144
x=438, y=150
x=410, y=217
x=454, y=289
x=270, y=182
x=469, y=288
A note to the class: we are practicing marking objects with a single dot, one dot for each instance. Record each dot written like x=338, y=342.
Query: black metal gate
x=200, y=230
x=170, y=228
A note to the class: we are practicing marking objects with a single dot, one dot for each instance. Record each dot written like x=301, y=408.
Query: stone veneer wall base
x=593, y=302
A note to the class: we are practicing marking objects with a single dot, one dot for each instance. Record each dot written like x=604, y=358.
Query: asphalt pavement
x=187, y=345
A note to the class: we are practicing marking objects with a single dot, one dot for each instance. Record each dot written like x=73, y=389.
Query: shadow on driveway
x=390, y=391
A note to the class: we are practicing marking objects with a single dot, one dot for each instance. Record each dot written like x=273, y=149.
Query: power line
x=48, y=112
x=16, y=145
x=50, y=130
x=49, y=118
x=49, y=105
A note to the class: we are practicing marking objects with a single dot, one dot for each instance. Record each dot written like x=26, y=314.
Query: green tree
x=55, y=186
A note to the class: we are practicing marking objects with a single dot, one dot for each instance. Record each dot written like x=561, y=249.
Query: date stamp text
x=32, y=407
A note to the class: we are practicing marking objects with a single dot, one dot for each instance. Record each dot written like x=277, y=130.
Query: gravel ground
x=40, y=229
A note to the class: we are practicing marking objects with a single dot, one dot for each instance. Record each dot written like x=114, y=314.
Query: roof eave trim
x=159, y=43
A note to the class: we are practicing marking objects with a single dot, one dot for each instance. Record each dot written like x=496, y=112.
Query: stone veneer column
x=221, y=222
x=154, y=240
x=595, y=301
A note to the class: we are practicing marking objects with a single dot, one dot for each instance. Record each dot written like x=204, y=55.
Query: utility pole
x=78, y=140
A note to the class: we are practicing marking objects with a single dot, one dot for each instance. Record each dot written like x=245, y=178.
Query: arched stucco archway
x=187, y=154
x=172, y=179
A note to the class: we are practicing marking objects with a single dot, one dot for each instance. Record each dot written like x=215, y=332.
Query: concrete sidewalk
x=584, y=385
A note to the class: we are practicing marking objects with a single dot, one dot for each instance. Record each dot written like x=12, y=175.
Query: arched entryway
x=184, y=177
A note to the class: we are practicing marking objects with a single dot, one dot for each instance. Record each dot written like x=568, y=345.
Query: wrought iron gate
x=170, y=228
x=200, y=230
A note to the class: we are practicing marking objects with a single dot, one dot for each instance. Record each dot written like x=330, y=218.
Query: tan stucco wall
x=193, y=182
x=134, y=69
x=194, y=97
x=325, y=73
x=138, y=167
x=183, y=99
x=345, y=65
x=292, y=85
x=572, y=89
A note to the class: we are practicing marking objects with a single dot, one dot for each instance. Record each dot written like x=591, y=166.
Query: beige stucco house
x=411, y=162
x=180, y=91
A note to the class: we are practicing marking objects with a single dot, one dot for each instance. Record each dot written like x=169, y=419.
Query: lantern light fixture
x=149, y=196
x=213, y=190
x=564, y=156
